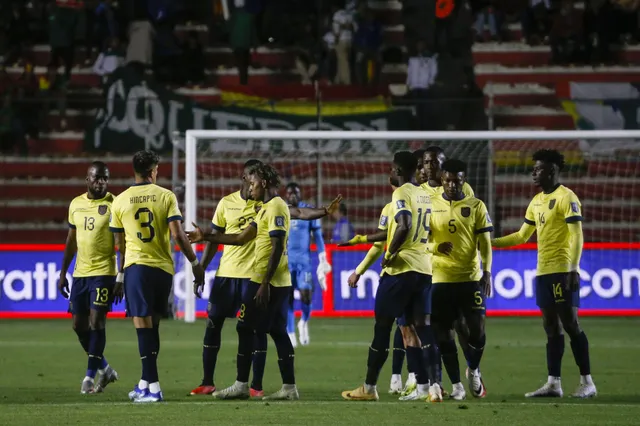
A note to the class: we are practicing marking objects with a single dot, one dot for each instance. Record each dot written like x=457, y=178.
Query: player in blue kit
x=300, y=265
x=94, y=274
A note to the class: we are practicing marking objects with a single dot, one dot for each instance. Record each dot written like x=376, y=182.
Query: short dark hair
x=406, y=161
x=144, y=162
x=549, y=156
x=267, y=173
x=98, y=165
x=292, y=185
x=342, y=208
x=419, y=153
x=252, y=162
x=436, y=150
x=454, y=166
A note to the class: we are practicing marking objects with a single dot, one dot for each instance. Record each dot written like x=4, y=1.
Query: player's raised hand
x=353, y=280
x=445, y=248
x=196, y=235
x=485, y=283
x=573, y=283
x=358, y=239
x=63, y=285
x=262, y=295
x=118, y=288
x=333, y=207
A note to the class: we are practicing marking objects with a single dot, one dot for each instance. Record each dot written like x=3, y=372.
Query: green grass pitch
x=42, y=366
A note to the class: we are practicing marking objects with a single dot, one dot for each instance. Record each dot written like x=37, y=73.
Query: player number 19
x=422, y=224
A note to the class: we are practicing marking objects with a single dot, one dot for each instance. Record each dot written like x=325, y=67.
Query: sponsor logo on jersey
x=465, y=211
x=552, y=203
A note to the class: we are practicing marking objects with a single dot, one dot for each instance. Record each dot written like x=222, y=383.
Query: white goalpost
x=354, y=163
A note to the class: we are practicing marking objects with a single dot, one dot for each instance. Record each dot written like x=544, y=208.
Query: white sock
x=475, y=372
x=411, y=377
x=369, y=388
x=154, y=387
x=242, y=385
x=423, y=388
x=395, y=377
x=553, y=380
x=88, y=379
x=288, y=387
x=586, y=380
x=143, y=384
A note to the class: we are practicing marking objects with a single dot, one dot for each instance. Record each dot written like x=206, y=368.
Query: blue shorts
x=551, y=290
x=146, y=290
x=263, y=320
x=301, y=276
x=91, y=293
x=452, y=300
x=406, y=296
x=226, y=296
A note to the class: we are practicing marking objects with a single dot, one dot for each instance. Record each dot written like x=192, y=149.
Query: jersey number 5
x=145, y=224
x=452, y=226
x=422, y=224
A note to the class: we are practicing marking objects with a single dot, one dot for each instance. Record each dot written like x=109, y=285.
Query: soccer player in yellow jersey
x=460, y=225
x=431, y=175
x=556, y=215
x=234, y=213
x=94, y=274
x=265, y=303
x=143, y=219
x=405, y=286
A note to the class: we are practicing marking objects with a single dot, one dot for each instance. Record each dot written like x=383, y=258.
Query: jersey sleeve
x=529, y=216
x=383, y=224
x=400, y=203
x=467, y=190
x=115, y=220
x=72, y=223
x=173, y=211
x=218, y=222
x=571, y=208
x=483, y=220
x=276, y=219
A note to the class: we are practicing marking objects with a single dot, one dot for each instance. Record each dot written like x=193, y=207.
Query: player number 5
x=477, y=297
x=452, y=226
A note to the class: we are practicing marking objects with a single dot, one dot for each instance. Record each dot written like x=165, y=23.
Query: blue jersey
x=343, y=231
x=300, y=239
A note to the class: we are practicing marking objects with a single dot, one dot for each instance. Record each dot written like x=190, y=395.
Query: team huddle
x=433, y=237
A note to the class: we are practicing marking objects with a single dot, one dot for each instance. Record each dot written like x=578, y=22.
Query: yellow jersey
x=143, y=212
x=550, y=213
x=414, y=201
x=96, y=250
x=458, y=222
x=233, y=214
x=272, y=220
x=437, y=190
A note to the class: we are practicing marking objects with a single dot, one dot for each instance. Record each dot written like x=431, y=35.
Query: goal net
x=603, y=169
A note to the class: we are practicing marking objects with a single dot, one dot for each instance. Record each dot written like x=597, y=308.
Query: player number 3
x=145, y=224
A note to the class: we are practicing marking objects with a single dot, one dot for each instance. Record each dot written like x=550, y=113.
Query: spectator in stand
x=566, y=35
x=343, y=230
x=627, y=20
x=599, y=30
x=487, y=15
x=367, y=43
x=110, y=59
x=141, y=34
x=64, y=17
x=17, y=34
x=11, y=132
x=242, y=38
x=307, y=53
x=52, y=89
x=327, y=61
x=102, y=25
x=343, y=30
x=421, y=75
x=193, y=59
x=26, y=100
x=536, y=21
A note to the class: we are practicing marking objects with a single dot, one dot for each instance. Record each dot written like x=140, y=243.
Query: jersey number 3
x=145, y=224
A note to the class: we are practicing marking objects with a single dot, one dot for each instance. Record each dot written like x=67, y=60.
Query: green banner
x=141, y=114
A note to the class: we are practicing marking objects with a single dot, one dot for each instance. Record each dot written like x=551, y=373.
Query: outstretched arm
x=373, y=254
x=310, y=213
x=517, y=238
x=249, y=233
